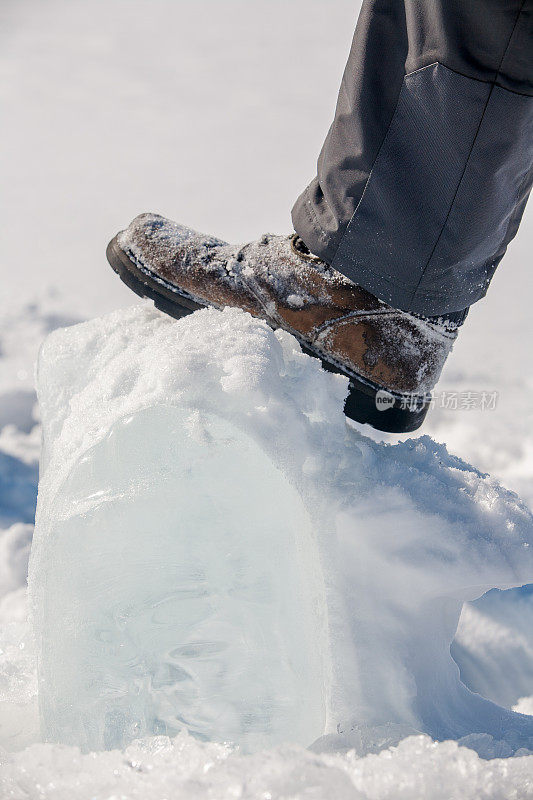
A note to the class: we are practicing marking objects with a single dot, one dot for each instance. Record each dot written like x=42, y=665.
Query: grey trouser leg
x=426, y=170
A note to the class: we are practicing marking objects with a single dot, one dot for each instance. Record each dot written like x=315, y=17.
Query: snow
x=218, y=128
x=213, y=543
x=159, y=768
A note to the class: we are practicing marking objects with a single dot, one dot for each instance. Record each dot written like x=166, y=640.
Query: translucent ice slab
x=215, y=549
x=179, y=591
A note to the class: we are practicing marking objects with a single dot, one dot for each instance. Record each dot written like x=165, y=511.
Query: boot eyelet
x=300, y=249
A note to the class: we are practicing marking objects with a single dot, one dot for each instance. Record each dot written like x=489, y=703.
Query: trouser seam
x=467, y=162
x=493, y=82
x=385, y=135
x=517, y=198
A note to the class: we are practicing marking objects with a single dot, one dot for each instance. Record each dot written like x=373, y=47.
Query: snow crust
x=158, y=768
x=402, y=535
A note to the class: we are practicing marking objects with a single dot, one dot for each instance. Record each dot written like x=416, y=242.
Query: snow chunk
x=199, y=480
x=14, y=553
x=493, y=646
x=524, y=705
x=19, y=717
x=295, y=300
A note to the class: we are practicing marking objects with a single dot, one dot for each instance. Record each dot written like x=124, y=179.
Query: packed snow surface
x=216, y=550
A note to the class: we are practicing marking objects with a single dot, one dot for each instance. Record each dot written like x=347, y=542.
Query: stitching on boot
x=360, y=315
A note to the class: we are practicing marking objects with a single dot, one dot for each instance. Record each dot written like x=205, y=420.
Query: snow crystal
x=295, y=300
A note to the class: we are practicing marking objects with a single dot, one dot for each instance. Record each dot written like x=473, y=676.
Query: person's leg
x=426, y=170
x=421, y=184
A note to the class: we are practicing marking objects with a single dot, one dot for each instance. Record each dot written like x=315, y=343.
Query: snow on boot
x=393, y=359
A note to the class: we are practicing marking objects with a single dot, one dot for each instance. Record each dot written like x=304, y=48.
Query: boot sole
x=360, y=404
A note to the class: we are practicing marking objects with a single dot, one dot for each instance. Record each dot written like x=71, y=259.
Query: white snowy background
x=213, y=112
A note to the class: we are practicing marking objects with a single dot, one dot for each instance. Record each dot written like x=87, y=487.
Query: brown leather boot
x=393, y=359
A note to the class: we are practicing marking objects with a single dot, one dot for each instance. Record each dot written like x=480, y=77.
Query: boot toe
x=149, y=231
x=161, y=245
